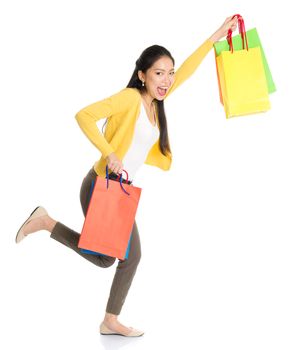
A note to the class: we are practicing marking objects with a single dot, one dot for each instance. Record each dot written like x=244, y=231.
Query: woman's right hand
x=114, y=163
x=229, y=23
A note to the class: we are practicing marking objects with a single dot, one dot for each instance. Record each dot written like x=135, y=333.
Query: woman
x=135, y=133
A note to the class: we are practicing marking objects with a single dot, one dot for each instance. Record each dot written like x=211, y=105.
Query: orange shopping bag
x=110, y=217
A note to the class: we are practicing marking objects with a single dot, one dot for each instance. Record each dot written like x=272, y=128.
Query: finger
x=119, y=164
x=120, y=170
x=111, y=165
x=117, y=169
x=231, y=20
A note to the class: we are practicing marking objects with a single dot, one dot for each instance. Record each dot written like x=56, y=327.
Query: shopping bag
x=110, y=217
x=253, y=41
x=87, y=251
x=242, y=78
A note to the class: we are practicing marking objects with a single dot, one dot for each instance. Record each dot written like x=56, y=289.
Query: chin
x=160, y=98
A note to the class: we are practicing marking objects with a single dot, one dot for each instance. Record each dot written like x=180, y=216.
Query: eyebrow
x=163, y=70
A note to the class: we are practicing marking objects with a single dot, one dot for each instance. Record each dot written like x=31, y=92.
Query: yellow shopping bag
x=242, y=78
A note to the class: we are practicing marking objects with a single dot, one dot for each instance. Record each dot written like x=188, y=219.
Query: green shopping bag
x=253, y=41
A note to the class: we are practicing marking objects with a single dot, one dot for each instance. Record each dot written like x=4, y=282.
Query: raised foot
x=35, y=222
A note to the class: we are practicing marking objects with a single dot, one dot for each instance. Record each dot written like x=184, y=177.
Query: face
x=158, y=78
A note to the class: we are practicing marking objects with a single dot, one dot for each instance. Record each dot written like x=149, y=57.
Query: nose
x=167, y=79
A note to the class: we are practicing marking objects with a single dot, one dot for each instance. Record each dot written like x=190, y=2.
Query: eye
x=172, y=73
x=159, y=73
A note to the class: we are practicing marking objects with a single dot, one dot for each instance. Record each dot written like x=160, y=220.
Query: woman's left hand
x=229, y=23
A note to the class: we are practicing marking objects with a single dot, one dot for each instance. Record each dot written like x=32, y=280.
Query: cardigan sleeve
x=88, y=117
x=189, y=66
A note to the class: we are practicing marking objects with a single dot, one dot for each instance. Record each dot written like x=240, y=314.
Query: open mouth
x=162, y=90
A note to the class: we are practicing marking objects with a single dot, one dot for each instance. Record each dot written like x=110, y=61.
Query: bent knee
x=107, y=262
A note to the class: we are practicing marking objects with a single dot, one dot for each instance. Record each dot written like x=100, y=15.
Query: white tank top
x=144, y=138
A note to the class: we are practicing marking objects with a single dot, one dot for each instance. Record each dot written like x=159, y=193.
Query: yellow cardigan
x=122, y=111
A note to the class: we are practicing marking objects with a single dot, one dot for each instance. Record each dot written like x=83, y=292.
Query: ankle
x=110, y=317
x=49, y=223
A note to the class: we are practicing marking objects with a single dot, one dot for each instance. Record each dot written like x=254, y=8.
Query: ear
x=141, y=75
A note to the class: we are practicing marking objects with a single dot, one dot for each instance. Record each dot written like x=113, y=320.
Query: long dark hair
x=148, y=57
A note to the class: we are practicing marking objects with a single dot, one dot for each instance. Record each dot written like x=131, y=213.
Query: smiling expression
x=158, y=78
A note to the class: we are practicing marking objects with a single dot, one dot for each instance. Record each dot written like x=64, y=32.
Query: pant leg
x=124, y=275
x=70, y=238
x=125, y=270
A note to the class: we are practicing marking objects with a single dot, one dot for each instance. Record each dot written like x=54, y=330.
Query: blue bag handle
x=120, y=180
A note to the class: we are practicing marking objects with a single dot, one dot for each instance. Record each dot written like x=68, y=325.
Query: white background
x=217, y=230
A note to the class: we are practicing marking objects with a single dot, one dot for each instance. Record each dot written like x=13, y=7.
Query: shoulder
x=126, y=98
x=129, y=94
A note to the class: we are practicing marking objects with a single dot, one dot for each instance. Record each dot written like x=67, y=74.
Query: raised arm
x=190, y=65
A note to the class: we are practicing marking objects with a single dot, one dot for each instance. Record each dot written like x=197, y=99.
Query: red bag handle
x=120, y=175
x=242, y=31
x=120, y=180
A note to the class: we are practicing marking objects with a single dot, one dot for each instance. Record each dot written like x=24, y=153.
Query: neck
x=147, y=99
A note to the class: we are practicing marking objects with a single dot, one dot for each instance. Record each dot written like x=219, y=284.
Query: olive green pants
x=125, y=270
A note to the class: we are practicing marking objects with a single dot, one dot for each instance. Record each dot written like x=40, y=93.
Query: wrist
x=216, y=36
x=109, y=156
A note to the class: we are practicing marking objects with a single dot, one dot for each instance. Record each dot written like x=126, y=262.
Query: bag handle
x=120, y=180
x=242, y=31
